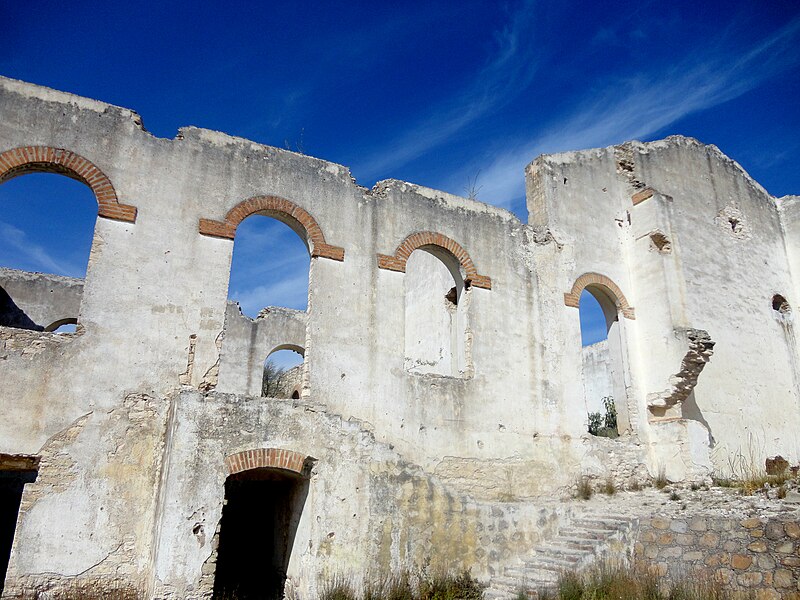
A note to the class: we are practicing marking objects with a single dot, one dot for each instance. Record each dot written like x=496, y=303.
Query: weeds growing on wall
x=604, y=425
x=617, y=581
x=404, y=585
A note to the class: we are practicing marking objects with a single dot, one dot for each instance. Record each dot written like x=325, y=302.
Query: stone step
x=524, y=573
x=578, y=532
x=558, y=550
x=575, y=543
x=596, y=524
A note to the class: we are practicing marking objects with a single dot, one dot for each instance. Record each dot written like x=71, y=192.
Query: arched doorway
x=265, y=493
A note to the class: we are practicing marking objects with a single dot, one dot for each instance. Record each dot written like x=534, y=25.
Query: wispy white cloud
x=290, y=291
x=505, y=75
x=17, y=250
x=640, y=106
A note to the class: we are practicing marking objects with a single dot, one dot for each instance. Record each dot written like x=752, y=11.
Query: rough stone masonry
x=441, y=410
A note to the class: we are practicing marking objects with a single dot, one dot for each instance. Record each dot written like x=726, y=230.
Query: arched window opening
x=602, y=357
x=259, y=522
x=436, y=300
x=283, y=373
x=270, y=266
x=63, y=326
x=46, y=229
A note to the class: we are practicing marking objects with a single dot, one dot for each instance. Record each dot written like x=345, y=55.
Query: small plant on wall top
x=604, y=425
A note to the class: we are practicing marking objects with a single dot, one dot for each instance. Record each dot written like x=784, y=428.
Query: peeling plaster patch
x=731, y=220
x=185, y=378
x=700, y=349
x=659, y=242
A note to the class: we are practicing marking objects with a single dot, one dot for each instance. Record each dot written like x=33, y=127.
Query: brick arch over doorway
x=573, y=297
x=397, y=262
x=275, y=458
x=44, y=159
x=284, y=210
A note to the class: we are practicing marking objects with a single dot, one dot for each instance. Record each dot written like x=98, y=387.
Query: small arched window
x=283, y=373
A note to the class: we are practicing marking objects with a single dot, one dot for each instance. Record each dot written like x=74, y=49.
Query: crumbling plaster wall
x=694, y=244
x=372, y=508
x=100, y=406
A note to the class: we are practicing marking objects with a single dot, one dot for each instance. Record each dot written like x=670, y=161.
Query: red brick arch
x=573, y=297
x=397, y=262
x=44, y=159
x=259, y=458
x=284, y=210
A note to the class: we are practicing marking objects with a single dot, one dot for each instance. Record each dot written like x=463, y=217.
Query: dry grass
x=608, y=488
x=607, y=581
x=405, y=585
x=583, y=488
x=84, y=591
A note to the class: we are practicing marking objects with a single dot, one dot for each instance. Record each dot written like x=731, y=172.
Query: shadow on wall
x=12, y=315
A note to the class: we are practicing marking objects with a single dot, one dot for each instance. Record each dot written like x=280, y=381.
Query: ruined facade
x=441, y=410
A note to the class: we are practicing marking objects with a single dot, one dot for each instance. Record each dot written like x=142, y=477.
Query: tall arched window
x=270, y=266
x=436, y=300
x=603, y=357
x=283, y=372
x=605, y=370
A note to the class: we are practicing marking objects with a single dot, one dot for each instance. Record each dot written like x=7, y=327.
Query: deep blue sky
x=433, y=93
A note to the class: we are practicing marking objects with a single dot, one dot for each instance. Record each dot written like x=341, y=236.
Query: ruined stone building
x=441, y=410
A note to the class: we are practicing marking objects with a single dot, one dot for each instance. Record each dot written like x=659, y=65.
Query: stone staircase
x=578, y=545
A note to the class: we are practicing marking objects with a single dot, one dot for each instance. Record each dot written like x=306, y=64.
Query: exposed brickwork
x=265, y=457
x=43, y=159
x=758, y=554
x=640, y=197
x=573, y=297
x=281, y=209
x=429, y=238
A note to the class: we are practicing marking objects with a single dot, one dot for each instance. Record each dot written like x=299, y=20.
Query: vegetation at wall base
x=613, y=581
x=405, y=585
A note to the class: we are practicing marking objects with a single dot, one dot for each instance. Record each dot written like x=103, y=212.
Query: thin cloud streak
x=640, y=107
x=18, y=248
x=507, y=74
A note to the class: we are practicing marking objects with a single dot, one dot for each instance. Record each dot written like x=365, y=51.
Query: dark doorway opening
x=259, y=522
x=11, y=484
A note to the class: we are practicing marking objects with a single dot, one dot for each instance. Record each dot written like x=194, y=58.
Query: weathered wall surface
x=754, y=554
x=597, y=382
x=161, y=382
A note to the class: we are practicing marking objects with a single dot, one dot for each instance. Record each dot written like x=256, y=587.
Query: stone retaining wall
x=757, y=554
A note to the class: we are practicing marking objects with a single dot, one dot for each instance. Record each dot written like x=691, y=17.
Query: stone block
x=709, y=539
x=679, y=526
x=750, y=579
x=698, y=524
x=782, y=578
x=792, y=529
x=758, y=546
x=741, y=561
x=659, y=523
x=666, y=539
x=785, y=548
x=774, y=530
x=751, y=523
